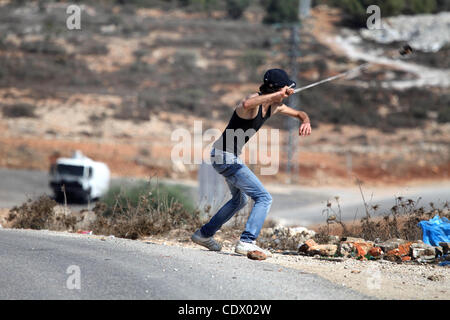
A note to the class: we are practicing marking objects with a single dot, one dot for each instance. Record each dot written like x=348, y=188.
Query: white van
x=81, y=177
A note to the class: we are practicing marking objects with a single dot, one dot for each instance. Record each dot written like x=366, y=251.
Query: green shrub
x=253, y=59
x=201, y=5
x=39, y=214
x=119, y=196
x=236, y=8
x=418, y=112
x=93, y=47
x=186, y=99
x=444, y=115
x=442, y=5
x=144, y=209
x=21, y=110
x=45, y=47
x=356, y=15
x=184, y=61
x=280, y=11
x=420, y=6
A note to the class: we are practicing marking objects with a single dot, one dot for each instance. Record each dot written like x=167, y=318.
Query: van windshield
x=70, y=170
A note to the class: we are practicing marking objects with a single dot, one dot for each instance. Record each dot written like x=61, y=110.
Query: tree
x=355, y=10
x=280, y=11
x=421, y=6
x=236, y=8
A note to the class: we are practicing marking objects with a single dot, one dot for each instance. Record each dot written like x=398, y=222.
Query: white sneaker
x=244, y=247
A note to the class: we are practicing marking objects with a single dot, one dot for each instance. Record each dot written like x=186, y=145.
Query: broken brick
x=376, y=252
x=406, y=258
x=358, y=248
x=404, y=248
x=362, y=248
x=307, y=245
x=401, y=251
x=391, y=244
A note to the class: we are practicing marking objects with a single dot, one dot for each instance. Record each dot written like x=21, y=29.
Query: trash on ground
x=84, y=232
x=435, y=230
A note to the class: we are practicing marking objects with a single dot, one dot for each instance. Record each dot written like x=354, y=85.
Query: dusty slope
x=112, y=92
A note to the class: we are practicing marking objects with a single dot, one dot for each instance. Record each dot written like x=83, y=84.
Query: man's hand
x=283, y=94
x=305, y=129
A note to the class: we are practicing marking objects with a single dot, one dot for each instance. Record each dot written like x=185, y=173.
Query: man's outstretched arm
x=256, y=100
x=305, y=128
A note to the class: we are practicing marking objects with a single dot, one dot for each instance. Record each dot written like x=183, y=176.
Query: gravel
x=381, y=279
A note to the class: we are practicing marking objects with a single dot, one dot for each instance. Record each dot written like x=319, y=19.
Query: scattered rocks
x=346, y=249
x=256, y=255
x=286, y=238
x=422, y=252
x=323, y=250
x=435, y=277
x=355, y=247
x=352, y=239
x=391, y=244
x=304, y=248
x=393, y=250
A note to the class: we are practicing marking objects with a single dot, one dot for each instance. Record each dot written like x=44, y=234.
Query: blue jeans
x=242, y=183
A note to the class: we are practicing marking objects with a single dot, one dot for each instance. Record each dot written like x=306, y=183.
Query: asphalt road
x=50, y=265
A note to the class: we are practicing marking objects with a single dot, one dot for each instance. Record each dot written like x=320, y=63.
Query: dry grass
x=155, y=212
x=41, y=214
x=144, y=220
x=400, y=222
x=145, y=210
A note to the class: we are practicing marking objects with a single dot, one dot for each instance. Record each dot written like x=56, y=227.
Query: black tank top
x=239, y=131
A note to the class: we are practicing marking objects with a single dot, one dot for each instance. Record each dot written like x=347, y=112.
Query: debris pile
x=281, y=237
x=433, y=249
x=395, y=250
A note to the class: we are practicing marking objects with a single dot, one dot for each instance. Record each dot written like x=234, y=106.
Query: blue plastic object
x=435, y=230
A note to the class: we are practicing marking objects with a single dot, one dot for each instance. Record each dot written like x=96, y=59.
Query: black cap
x=277, y=78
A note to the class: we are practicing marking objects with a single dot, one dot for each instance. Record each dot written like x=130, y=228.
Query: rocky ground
x=382, y=279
